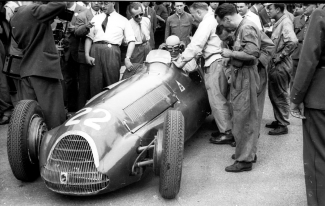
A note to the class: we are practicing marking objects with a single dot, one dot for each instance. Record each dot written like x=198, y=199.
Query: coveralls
x=285, y=41
x=244, y=86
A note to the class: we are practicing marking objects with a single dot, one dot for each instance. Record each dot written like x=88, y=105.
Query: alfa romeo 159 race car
x=140, y=122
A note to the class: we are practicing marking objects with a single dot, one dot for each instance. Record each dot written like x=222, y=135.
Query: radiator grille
x=71, y=169
x=144, y=104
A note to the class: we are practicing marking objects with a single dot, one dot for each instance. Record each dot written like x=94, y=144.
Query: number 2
x=91, y=122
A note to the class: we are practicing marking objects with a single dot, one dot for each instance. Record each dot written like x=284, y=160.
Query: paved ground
x=276, y=179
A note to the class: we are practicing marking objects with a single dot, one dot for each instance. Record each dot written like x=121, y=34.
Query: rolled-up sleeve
x=250, y=41
x=92, y=32
x=128, y=32
x=198, y=42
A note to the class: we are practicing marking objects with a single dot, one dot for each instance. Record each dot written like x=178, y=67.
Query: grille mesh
x=72, y=158
x=141, y=106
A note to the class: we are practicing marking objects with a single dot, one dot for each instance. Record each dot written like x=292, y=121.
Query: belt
x=105, y=42
x=143, y=43
x=240, y=64
x=206, y=69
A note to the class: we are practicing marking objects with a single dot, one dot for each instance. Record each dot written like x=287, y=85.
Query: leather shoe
x=272, y=125
x=279, y=130
x=240, y=167
x=215, y=134
x=254, y=160
x=233, y=144
x=223, y=138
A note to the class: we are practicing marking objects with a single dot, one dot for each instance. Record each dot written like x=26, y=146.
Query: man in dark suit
x=308, y=103
x=300, y=24
x=259, y=10
x=151, y=14
x=40, y=65
x=71, y=65
x=82, y=28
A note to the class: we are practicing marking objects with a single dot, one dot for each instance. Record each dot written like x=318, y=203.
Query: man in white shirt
x=141, y=28
x=205, y=40
x=213, y=6
x=102, y=47
x=151, y=14
x=246, y=13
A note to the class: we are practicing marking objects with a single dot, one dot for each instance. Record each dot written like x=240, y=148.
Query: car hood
x=109, y=121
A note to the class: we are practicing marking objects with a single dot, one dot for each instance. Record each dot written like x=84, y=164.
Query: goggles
x=174, y=48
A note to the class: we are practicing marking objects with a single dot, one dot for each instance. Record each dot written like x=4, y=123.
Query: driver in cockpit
x=175, y=47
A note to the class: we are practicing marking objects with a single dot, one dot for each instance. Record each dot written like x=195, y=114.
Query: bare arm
x=90, y=60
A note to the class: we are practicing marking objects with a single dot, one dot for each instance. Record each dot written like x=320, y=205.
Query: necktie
x=146, y=12
x=143, y=38
x=105, y=22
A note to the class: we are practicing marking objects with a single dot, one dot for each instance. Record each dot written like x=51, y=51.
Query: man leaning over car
x=206, y=41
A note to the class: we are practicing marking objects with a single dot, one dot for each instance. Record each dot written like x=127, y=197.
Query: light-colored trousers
x=217, y=87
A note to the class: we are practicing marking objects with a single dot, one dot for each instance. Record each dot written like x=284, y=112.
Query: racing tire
x=172, y=154
x=22, y=142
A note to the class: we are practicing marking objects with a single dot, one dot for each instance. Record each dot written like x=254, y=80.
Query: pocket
x=185, y=25
x=173, y=25
x=51, y=55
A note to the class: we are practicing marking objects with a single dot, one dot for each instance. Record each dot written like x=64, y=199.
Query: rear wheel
x=172, y=154
x=26, y=129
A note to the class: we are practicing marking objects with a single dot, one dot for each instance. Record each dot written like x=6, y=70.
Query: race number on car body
x=91, y=122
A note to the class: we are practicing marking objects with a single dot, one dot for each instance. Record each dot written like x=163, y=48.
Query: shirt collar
x=94, y=12
x=207, y=15
x=73, y=7
x=179, y=15
x=280, y=20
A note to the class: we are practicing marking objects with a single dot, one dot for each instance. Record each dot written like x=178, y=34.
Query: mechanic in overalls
x=244, y=85
x=285, y=41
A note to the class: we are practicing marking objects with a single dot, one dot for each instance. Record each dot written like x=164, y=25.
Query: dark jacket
x=265, y=19
x=300, y=28
x=72, y=39
x=309, y=81
x=81, y=31
x=31, y=28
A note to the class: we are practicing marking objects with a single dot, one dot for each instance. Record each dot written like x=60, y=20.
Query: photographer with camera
x=40, y=65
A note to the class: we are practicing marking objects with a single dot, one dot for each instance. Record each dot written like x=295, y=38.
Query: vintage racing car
x=139, y=122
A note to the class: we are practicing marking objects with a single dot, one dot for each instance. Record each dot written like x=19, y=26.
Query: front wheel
x=172, y=154
x=26, y=129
